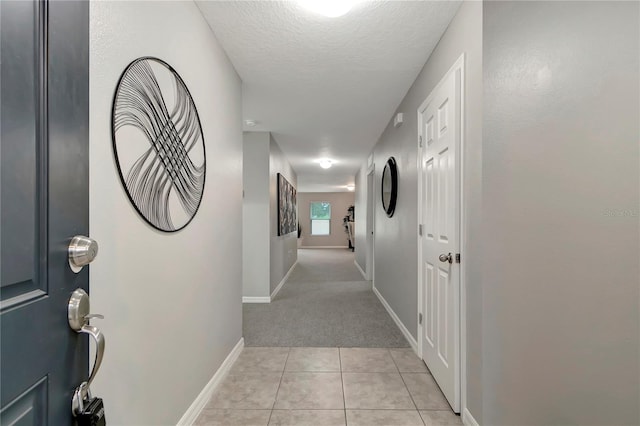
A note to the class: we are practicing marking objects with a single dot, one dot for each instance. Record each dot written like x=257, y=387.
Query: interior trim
x=284, y=280
x=196, y=407
x=412, y=341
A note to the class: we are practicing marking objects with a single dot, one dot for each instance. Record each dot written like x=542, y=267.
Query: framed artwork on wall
x=287, y=207
x=390, y=186
x=158, y=144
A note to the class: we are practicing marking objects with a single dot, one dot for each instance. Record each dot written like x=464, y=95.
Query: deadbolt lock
x=82, y=251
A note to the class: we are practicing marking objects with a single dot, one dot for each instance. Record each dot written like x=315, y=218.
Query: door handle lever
x=88, y=317
x=79, y=316
x=98, y=337
x=83, y=392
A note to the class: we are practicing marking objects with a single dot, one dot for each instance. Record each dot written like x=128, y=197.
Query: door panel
x=442, y=308
x=429, y=213
x=28, y=408
x=44, y=202
x=439, y=119
x=22, y=266
x=443, y=184
x=430, y=306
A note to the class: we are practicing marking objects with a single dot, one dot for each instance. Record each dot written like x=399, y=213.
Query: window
x=320, y=218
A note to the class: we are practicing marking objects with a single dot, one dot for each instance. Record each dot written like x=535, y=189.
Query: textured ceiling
x=326, y=87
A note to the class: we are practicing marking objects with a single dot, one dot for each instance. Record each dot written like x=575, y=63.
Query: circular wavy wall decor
x=158, y=144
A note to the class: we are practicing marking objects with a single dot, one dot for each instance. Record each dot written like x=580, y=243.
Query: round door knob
x=445, y=258
x=82, y=251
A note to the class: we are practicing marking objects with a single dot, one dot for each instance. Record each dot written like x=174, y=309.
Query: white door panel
x=430, y=311
x=439, y=128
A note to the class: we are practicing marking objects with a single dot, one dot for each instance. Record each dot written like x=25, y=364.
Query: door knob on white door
x=446, y=258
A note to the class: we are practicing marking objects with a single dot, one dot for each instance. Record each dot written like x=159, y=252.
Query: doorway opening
x=370, y=226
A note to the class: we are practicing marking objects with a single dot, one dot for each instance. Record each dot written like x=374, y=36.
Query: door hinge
x=420, y=229
x=420, y=141
x=457, y=257
x=419, y=318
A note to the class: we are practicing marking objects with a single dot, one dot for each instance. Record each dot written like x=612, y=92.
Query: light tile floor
x=328, y=386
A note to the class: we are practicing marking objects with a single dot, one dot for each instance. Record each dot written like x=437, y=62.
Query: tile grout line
x=284, y=367
x=407, y=387
x=344, y=400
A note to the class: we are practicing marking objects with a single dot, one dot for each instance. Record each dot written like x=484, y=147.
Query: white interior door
x=369, y=225
x=439, y=121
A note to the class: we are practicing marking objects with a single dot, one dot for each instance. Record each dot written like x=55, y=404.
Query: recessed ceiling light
x=250, y=123
x=351, y=187
x=325, y=163
x=330, y=8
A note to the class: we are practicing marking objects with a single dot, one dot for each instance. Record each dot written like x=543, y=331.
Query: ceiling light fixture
x=351, y=187
x=325, y=163
x=250, y=123
x=329, y=8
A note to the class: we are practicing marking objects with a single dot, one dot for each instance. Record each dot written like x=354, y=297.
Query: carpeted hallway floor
x=325, y=303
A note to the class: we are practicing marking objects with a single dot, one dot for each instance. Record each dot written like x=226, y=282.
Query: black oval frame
x=115, y=150
x=393, y=169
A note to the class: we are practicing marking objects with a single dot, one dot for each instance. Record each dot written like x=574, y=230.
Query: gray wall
x=561, y=201
x=172, y=313
x=396, y=262
x=256, y=215
x=284, y=249
x=340, y=202
x=267, y=257
x=360, y=201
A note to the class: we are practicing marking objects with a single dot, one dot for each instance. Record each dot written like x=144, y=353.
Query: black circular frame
x=390, y=172
x=138, y=101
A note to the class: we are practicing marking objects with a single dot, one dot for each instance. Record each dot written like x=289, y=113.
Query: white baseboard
x=265, y=299
x=284, y=280
x=467, y=418
x=396, y=319
x=323, y=247
x=361, y=271
x=268, y=299
x=194, y=410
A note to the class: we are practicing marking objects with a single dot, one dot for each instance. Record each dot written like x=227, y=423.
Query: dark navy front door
x=44, y=177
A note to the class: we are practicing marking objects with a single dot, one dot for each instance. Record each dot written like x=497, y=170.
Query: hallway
x=328, y=386
x=181, y=180
x=324, y=303
x=325, y=352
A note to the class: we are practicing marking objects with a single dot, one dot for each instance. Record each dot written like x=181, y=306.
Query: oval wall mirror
x=390, y=186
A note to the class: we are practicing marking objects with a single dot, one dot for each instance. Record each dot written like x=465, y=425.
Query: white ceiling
x=326, y=87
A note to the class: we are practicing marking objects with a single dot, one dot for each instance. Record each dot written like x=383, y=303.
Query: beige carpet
x=325, y=303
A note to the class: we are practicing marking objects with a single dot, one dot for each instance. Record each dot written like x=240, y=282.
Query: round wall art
x=158, y=144
x=390, y=186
